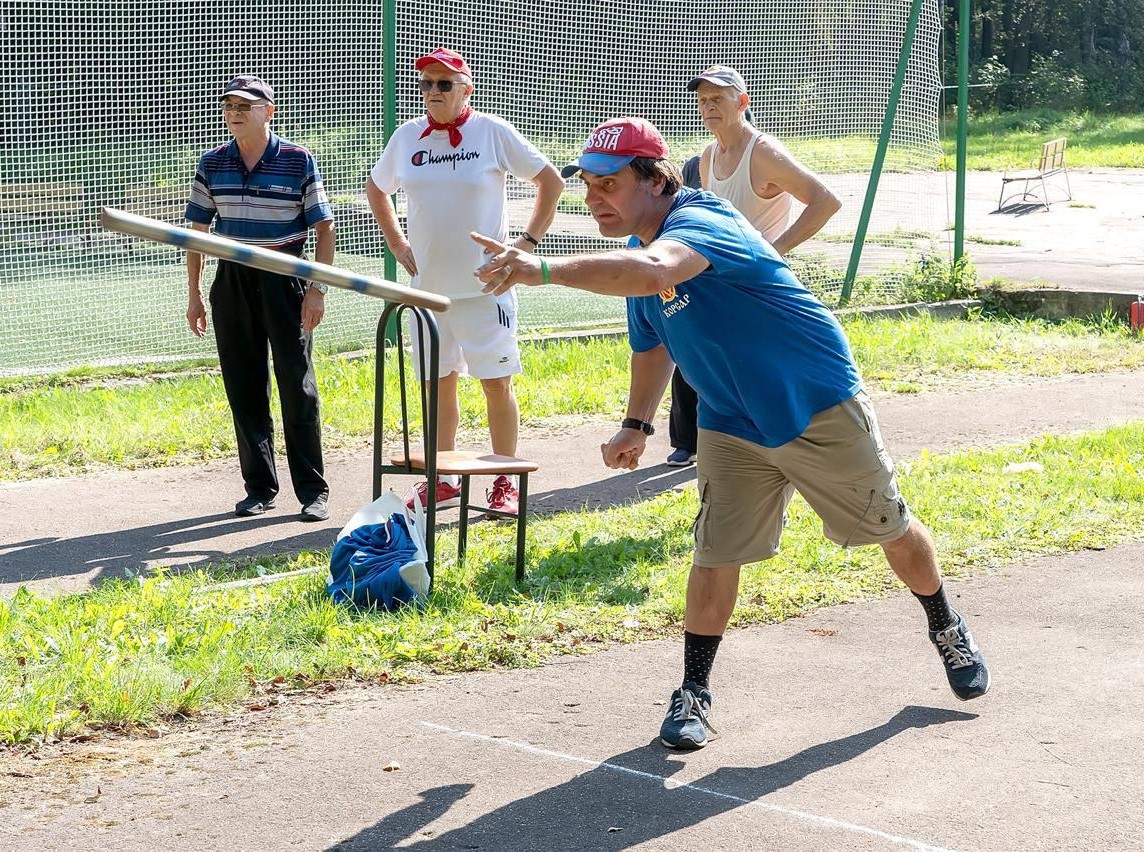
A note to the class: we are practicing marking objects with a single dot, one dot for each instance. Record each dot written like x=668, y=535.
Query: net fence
x=111, y=103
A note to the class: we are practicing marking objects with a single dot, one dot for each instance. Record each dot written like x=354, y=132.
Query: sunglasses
x=443, y=86
x=229, y=107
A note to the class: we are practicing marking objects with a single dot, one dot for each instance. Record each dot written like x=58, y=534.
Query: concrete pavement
x=837, y=732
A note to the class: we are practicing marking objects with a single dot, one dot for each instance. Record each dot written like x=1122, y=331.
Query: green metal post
x=389, y=121
x=389, y=90
x=962, y=129
x=880, y=154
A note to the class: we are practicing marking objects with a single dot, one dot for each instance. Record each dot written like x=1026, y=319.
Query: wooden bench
x=60, y=200
x=430, y=462
x=1051, y=163
x=48, y=215
x=166, y=203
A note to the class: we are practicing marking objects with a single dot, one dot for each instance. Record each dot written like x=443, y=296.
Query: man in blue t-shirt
x=781, y=402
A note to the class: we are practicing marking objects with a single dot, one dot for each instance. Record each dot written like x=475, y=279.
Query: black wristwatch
x=635, y=423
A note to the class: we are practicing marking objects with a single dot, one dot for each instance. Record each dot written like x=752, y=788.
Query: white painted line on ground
x=829, y=822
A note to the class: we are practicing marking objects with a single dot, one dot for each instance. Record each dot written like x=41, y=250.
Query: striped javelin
x=265, y=259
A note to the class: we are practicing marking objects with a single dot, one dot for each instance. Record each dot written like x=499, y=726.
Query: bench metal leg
x=521, y=525
x=463, y=525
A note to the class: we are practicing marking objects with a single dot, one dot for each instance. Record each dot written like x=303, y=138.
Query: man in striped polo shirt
x=263, y=190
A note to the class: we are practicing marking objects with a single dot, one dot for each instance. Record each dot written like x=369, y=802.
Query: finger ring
x=507, y=269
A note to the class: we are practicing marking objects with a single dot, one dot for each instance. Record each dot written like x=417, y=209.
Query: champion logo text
x=428, y=158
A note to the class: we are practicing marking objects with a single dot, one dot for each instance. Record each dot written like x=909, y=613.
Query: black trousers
x=683, y=426
x=255, y=314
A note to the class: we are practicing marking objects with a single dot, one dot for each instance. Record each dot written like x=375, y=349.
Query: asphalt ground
x=837, y=731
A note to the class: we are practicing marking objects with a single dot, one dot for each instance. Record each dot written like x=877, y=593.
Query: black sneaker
x=964, y=665
x=686, y=725
x=253, y=506
x=681, y=458
x=317, y=509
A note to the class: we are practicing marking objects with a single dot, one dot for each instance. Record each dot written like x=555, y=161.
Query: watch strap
x=636, y=423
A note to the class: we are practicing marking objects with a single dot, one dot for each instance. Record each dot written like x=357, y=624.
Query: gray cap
x=718, y=75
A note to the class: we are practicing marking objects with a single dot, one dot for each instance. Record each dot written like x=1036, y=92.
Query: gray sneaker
x=317, y=509
x=964, y=665
x=686, y=725
x=250, y=506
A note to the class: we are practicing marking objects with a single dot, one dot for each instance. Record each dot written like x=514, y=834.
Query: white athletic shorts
x=478, y=338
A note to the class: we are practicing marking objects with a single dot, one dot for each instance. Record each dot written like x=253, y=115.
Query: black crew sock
x=698, y=657
x=938, y=611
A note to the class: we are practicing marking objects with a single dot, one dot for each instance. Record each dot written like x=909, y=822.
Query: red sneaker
x=503, y=496
x=447, y=495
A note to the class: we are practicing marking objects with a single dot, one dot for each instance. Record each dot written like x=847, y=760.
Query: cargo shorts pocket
x=699, y=525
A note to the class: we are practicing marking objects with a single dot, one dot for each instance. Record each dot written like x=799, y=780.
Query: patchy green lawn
x=1010, y=140
x=58, y=426
x=130, y=653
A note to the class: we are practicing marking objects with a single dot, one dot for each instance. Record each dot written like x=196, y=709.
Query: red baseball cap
x=617, y=142
x=449, y=58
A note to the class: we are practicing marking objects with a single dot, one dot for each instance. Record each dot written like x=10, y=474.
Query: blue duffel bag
x=378, y=559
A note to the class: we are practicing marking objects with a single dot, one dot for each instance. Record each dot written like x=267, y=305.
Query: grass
x=1009, y=140
x=132, y=653
x=897, y=237
x=62, y=426
x=990, y=241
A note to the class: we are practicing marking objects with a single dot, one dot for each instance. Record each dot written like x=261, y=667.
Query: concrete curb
x=1053, y=304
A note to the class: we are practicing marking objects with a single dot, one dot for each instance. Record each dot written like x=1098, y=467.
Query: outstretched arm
x=626, y=272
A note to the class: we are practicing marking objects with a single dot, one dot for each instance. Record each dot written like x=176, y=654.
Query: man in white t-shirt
x=451, y=163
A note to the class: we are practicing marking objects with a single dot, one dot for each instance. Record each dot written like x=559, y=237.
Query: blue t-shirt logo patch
x=667, y=295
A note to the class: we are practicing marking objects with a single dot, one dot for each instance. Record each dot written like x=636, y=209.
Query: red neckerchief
x=454, y=127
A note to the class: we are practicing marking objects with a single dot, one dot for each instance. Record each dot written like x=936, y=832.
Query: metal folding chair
x=430, y=462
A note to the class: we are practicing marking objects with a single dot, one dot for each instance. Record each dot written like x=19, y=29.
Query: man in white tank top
x=761, y=178
x=754, y=171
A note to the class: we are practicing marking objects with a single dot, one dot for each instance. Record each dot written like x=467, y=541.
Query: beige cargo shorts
x=839, y=465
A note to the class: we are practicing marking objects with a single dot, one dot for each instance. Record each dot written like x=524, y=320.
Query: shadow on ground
x=1020, y=208
x=625, y=792
x=194, y=541
x=640, y=484
x=114, y=554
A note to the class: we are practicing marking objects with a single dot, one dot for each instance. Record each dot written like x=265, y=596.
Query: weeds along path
x=65, y=534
